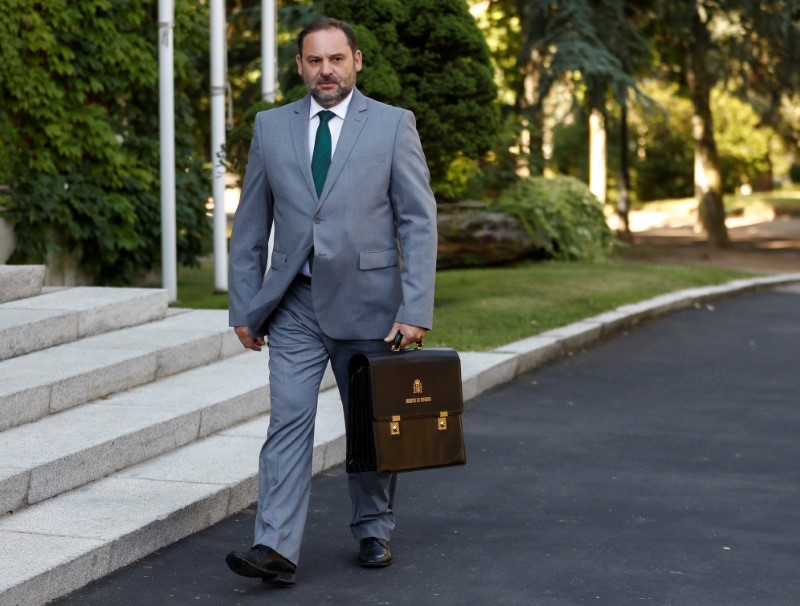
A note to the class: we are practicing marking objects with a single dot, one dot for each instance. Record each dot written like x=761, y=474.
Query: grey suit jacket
x=373, y=228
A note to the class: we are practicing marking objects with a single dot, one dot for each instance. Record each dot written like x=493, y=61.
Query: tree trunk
x=707, y=174
x=530, y=104
x=532, y=91
x=623, y=202
x=597, y=155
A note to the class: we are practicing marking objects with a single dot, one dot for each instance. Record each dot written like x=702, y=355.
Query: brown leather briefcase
x=405, y=411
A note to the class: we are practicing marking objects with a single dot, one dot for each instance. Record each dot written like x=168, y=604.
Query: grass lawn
x=479, y=309
x=196, y=288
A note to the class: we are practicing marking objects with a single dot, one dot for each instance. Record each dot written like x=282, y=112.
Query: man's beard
x=329, y=98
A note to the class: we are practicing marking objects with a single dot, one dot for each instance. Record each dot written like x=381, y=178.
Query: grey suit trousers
x=298, y=355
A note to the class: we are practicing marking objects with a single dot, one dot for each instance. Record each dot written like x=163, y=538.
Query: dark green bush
x=561, y=216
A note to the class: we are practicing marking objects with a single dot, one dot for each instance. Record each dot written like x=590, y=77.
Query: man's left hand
x=411, y=334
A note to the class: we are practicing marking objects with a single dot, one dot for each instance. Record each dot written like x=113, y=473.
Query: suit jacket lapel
x=299, y=129
x=353, y=123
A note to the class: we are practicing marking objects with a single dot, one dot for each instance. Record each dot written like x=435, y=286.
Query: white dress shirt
x=335, y=124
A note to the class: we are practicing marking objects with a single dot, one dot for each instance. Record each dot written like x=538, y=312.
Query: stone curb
x=206, y=493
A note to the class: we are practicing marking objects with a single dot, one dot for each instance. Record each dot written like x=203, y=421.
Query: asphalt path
x=661, y=466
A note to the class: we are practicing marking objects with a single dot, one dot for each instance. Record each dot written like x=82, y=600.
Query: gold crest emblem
x=417, y=386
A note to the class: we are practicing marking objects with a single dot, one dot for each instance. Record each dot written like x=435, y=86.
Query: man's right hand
x=248, y=340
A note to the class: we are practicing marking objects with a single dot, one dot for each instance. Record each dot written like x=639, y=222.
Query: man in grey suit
x=343, y=180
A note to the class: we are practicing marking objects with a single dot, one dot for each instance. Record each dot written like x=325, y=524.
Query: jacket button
x=317, y=220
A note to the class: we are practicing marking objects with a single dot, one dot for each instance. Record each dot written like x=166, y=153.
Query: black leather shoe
x=262, y=562
x=374, y=553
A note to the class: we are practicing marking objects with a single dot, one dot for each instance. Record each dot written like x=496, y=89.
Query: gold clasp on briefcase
x=442, y=420
x=394, y=426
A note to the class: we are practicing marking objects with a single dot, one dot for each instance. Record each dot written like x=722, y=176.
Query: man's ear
x=299, y=61
x=358, y=60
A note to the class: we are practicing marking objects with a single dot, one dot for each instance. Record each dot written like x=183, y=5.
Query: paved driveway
x=659, y=467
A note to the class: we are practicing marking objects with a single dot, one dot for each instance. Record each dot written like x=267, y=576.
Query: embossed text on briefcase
x=405, y=411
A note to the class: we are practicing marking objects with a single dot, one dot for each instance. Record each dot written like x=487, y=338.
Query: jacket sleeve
x=251, y=228
x=415, y=217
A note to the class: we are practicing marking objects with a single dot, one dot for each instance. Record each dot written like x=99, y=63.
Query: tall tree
x=748, y=44
x=619, y=22
x=588, y=41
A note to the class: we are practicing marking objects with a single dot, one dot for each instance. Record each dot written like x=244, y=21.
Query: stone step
x=20, y=281
x=63, y=543
x=72, y=448
x=61, y=316
x=55, y=379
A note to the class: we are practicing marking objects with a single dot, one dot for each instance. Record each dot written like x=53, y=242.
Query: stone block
x=13, y=488
x=174, y=510
x=33, y=575
x=576, y=335
x=94, y=367
x=20, y=281
x=21, y=404
x=112, y=371
x=255, y=428
x=483, y=370
x=87, y=464
x=25, y=330
x=532, y=352
x=236, y=409
x=68, y=314
x=196, y=349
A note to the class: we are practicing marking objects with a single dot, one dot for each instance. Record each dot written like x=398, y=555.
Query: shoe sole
x=279, y=579
x=375, y=564
x=244, y=568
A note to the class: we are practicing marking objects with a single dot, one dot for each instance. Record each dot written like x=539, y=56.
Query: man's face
x=328, y=66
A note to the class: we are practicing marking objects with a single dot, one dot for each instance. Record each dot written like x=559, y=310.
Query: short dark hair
x=327, y=23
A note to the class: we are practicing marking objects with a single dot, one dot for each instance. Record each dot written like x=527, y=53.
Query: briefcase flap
x=415, y=383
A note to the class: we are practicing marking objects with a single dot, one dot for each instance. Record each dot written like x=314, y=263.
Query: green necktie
x=321, y=159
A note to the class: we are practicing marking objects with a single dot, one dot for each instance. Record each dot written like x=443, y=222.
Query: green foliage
x=237, y=142
x=561, y=216
x=570, y=154
x=662, y=163
x=79, y=132
x=742, y=141
x=430, y=57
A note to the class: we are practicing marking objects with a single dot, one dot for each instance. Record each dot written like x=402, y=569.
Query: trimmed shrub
x=561, y=216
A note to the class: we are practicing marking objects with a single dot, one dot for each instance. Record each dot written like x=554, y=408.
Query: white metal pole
x=166, y=106
x=217, y=18
x=269, y=51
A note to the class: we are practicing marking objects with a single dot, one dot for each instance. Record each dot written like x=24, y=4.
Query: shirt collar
x=339, y=109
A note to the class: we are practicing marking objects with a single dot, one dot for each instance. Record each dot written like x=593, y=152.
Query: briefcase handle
x=398, y=339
